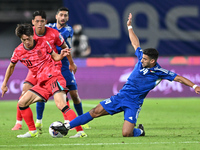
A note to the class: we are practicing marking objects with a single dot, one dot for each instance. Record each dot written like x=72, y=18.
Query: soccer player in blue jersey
x=144, y=77
x=62, y=16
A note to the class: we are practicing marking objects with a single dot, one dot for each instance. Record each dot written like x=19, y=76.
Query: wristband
x=194, y=86
x=129, y=27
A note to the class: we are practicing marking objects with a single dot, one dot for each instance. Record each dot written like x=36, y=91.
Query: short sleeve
x=139, y=53
x=14, y=58
x=166, y=74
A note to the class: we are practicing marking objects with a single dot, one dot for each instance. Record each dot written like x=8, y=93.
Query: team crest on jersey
x=39, y=53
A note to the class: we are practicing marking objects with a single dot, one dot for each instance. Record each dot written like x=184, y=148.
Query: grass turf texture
x=171, y=123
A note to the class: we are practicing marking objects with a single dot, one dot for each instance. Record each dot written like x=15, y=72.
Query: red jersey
x=38, y=60
x=53, y=37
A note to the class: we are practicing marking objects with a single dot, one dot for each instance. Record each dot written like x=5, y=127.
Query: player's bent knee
x=76, y=100
x=93, y=113
x=60, y=106
x=21, y=104
x=127, y=134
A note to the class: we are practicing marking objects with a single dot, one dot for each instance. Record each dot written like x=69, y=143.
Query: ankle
x=19, y=122
x=39, y=121
x=67, y=125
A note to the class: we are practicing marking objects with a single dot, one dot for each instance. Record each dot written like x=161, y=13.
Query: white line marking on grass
x=96, y=144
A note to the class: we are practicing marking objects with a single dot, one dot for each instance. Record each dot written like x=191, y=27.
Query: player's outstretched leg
x=70, y=114
x=60, y=128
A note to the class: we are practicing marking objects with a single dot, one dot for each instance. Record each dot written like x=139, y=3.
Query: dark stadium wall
x=173, y=27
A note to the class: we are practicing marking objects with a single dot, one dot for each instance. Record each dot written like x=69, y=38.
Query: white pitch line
x=96, y=144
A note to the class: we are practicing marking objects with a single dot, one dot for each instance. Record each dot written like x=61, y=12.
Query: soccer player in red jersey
x=54, y=38
x=37, y=56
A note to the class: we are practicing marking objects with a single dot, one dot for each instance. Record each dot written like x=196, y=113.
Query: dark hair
x=62, y=9
x=26, y=29
x=152, y=53
x=40, y=13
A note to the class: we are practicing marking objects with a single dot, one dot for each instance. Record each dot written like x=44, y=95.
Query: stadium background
x=173, y=27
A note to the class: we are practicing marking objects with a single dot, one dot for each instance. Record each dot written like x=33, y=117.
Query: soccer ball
x=53, y=133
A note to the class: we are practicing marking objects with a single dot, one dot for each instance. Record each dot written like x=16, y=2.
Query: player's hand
x=129, y=20
x=197, y=89
x=65, y=52
x=73, y=68
x=4, y=89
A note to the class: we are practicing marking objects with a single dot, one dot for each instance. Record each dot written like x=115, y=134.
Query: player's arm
x=9, y=72
x=64, y=52
x=133, y=37
x=72, y=65
x=187, y=82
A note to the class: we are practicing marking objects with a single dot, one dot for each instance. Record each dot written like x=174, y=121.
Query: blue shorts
x=117, y=104
x=70, y=79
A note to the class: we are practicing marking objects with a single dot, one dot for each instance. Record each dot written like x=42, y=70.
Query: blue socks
x=136, y=132
x=78, y=108
x=39, y=109
x=80, y=120
x=41, y=105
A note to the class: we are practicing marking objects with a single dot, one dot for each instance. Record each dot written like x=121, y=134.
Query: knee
x=21, y=104
x=76, y=99
x=93, y=112
x=60, y=106
x=127, y=134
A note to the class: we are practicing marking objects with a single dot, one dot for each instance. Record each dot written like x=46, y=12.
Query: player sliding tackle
x=144, y=77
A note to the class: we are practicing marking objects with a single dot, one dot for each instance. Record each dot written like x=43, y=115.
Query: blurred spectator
x=80, y=43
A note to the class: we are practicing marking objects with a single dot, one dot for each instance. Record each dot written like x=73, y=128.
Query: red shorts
x=31, y=79
x=50, y=87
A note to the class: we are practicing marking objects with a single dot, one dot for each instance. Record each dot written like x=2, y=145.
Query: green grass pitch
x=170, y=124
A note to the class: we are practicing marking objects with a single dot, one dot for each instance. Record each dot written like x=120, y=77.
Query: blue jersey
x=142, y=80
x=66, y=32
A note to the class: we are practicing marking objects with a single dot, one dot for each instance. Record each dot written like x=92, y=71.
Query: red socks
x=18, y=115
x=27, y=114
x=70, y=115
